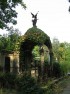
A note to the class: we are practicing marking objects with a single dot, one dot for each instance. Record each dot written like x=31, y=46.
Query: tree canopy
x=10, y=41
x=69, y=6
x=8, y=12
x=62, y=54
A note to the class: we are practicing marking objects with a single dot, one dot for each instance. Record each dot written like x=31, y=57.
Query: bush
x=10, y=80
x=2, y=80
x=7, y=80
x=22, y=84
x=57, y=69
x=28, y=85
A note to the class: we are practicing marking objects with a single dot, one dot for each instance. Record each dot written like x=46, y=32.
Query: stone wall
x=12, y=58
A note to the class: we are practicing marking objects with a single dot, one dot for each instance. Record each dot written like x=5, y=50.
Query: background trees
x=10, y=41
x=61, y=55
x=8, y=12
x=69, y=6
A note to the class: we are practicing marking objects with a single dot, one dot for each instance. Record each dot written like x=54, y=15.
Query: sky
x=53, y=18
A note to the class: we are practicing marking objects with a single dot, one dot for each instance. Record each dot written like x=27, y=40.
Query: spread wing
x=36, y=14
x=32, y=15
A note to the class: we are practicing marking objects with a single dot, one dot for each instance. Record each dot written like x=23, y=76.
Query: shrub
x=2, y=80
x=7, y=80
x=28, y=85
x=22, y=84
x=10, y=80
x=57, y=69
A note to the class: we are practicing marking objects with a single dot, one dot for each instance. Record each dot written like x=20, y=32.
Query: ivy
x=36, y=35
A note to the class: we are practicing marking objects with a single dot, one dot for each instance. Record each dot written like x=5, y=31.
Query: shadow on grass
x=7, y=91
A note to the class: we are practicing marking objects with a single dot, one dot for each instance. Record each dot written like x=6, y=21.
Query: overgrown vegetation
x=10, y=41
x=34, y=36
x=25, y=84
x=61, y=56
x=22, y=84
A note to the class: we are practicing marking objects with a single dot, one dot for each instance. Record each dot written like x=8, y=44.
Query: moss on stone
x=36, y=35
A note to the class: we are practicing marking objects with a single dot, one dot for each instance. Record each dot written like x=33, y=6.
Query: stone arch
x=33, y=36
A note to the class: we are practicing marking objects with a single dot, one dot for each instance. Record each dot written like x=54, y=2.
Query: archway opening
x=7, y=64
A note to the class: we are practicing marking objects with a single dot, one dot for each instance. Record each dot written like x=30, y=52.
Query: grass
x=56, y=88
x=63, y=84
x=7, y=91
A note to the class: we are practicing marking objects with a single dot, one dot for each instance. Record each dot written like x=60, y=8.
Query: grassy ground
x=63, y=84
x=57, y=88
x=7, y=91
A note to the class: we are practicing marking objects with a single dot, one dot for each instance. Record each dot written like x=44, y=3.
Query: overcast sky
x=54, y=18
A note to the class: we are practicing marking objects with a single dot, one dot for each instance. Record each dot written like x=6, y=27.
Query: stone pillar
x=11, y=62
x=16, y=62
x=42, y=63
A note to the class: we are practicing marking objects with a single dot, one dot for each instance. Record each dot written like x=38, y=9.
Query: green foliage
x=28, y=85
x=62, y=55
x=55, y=47
x=36, y=35
x=10, y=41
x=22, y=84
x=8, y=12
x=7, y=80
x=3, y=42
x=13, y=39
x=56, y=69
x=36, y=53
x=64, y=52
x=64, y=68
x=49, y=91
x=67, y=55
x=7, y=91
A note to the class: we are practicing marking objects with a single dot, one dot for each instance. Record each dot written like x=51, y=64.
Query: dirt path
x=67, y=89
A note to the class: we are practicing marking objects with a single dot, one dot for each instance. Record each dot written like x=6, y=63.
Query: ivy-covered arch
x=33, y=36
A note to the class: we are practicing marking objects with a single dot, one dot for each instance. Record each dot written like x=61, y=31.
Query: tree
x=55, y=46
x=3, y=42
x=69, y=6
x=36, y=53
x=67, y=55
x=13, y=39
x=8, y=12
x=62, y=55
x=10, y=41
